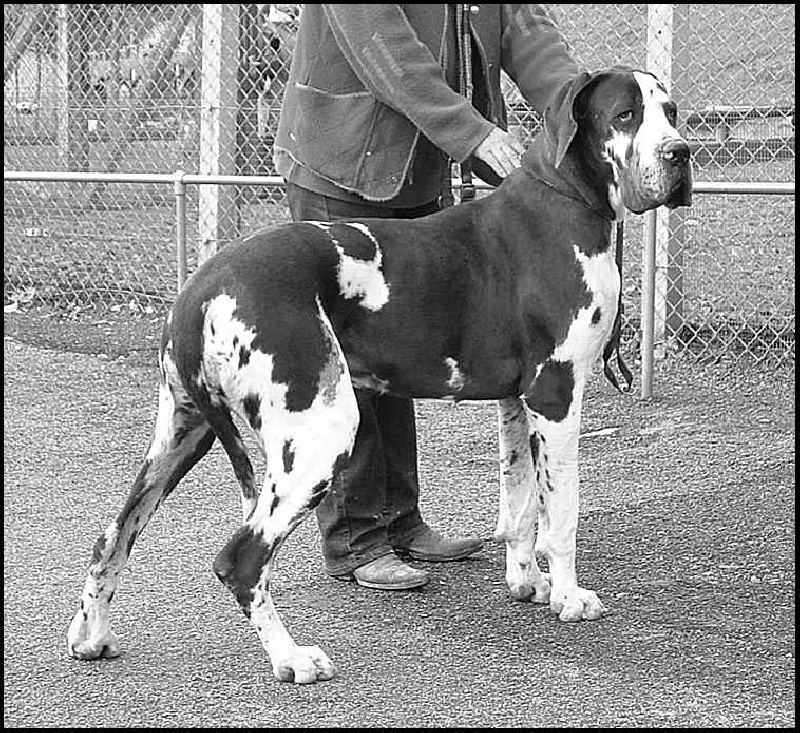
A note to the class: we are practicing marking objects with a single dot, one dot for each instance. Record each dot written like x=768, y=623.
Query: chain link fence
x=155, y=88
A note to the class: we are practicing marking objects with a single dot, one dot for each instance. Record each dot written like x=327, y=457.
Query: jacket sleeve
x=535, y=54
x=399, y=70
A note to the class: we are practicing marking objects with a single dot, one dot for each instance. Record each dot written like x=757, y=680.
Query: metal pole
x=648, y=301
x=216, y=212
x=659, y=61
x=180, y=227
x=763, y=188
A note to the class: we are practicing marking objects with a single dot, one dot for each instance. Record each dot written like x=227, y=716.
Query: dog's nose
x=676, y=152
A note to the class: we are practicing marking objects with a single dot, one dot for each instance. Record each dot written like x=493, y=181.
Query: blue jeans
x=375, y=499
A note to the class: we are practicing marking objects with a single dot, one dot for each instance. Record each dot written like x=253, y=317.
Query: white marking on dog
x=162, y=434
x=363, y=278
x=642, y=151
x=220, y=328
x=558, y=510
x=456, y=379
x=558, y=517
x=319, y=436
x=585, y=340
x=615, y=153
x=370, y=381
x=655, y=132
x=359, y=278
x=324, y=225
x=655, y=127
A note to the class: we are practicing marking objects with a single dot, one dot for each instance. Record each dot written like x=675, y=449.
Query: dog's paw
x=304, y=666
x=533, y=587
x=85, y=642
x=578, y=604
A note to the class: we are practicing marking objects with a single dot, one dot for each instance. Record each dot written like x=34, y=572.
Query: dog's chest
x=592, y=323
x=602, y=279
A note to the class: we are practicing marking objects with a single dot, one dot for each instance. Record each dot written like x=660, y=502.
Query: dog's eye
x=625, y=116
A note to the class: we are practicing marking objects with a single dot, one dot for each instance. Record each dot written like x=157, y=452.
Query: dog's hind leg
x=225, y=429
x=181, y=438
x=517, y=517
x=306, y=446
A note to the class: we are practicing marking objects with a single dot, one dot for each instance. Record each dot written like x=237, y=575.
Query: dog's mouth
x=671, y=187
x=681, y=193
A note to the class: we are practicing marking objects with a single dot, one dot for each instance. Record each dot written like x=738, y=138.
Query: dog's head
x=619, y=126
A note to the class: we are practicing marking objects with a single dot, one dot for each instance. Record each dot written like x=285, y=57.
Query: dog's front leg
x=516, y=522
x=554, y=444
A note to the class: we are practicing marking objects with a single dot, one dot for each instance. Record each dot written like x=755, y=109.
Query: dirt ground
x=687, y=534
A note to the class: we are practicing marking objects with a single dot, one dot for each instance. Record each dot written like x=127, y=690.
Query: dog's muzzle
x=664, y=179
x=676, y=159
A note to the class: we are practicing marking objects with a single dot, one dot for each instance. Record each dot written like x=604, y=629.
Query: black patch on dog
x=513, y=457
x=534, y=441
x=318, y=494
x=239, y=565
x=131, y=541
x=244, y=356
x=179, y=470
x=97, y=550
x=184, y=416
x=552, y=391
x=596, y=316
x=354, y=242
x=220, y=420
x=252, y=405
x=340, y=463
x=288, y=456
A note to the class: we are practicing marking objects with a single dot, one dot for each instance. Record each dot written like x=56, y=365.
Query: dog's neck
x=572, y=178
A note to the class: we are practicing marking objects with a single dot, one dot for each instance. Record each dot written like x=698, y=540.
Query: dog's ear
x=560, y=123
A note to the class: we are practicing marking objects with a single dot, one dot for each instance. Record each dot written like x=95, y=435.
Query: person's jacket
x=367, y=80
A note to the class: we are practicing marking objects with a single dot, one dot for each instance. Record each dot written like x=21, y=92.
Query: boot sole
x=404, y=585
x=422, y=557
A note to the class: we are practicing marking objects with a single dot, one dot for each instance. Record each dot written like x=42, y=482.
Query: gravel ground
x=687, y=534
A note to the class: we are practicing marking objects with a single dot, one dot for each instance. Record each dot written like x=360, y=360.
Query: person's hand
x=501, y=151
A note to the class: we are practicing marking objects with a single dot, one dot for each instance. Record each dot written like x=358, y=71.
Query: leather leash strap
x=464, y=42
x=613, y=344
x=464, y=62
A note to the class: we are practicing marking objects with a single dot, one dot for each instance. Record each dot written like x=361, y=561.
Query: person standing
x=380, y=99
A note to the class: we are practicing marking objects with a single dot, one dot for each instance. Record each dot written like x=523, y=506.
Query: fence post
x=217, y=206
x=648, y=296
x=655, y=250
x=681, y=82
x=180, y=227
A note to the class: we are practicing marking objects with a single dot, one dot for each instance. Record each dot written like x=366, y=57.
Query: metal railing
x=180, y=180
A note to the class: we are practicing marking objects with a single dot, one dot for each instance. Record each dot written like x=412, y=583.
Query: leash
x=464, y=34
x=613, y=343
x=464, y=53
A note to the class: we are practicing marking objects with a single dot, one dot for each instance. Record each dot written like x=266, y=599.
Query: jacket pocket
x=330, y=132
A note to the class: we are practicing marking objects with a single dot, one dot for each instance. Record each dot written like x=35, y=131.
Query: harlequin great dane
x=511, y=297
